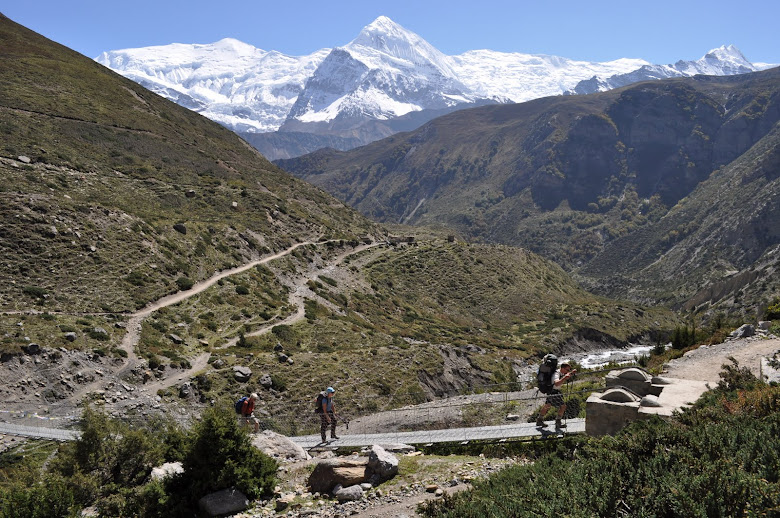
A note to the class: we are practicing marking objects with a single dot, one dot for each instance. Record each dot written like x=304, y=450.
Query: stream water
x=595, y=360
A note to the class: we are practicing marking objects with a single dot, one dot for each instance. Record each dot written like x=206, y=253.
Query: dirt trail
x=200, y=363
x=705, y=362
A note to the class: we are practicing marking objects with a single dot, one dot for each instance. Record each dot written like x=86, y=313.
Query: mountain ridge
x=570, y=177
x=355, y=91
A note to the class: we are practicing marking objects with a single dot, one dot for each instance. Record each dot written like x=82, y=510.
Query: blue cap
x=329, y=389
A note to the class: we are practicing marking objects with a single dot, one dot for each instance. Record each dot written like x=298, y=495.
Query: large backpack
x=544, y=376
x=318, y=403
x=240, y=404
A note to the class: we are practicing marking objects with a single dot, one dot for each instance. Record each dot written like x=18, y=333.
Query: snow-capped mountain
x=385, y=72
x=241, y=87
x=723, y=61
x=516, y=77
x=386, y=80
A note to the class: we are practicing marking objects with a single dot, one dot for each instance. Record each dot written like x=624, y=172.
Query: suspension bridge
x=485, y=416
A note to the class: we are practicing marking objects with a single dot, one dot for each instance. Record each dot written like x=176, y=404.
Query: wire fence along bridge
x=458, y=419
x=499, y=433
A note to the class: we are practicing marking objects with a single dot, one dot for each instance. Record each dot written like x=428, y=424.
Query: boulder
x=382, y=464
x=266, y=381
x=283, y=502
x=744, y=331
x=180, y=228
x=176, y=339
x=227, y=501
x=70, y=336
x=345, y=471
x=279, y=447
x=348, y=494
x=31, y=349
x=242, y=374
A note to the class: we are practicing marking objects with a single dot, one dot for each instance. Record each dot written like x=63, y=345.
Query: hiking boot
x=539, y=422
x=324, y=439
x=335, y=437
x=559, y=424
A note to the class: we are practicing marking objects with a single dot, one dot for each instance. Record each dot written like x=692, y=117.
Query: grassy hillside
x=113, y=198
x=398, y=325
x=570, y=177
x=111, y=194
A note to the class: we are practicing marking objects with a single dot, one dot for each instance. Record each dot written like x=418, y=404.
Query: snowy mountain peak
x=384, y=34
x=385, y=37
x=725, y=60
x=727, y=50
x=727, y=53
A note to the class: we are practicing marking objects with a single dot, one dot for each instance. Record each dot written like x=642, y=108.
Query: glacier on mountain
x=385, y=80
x=235, y=84
x=725, y=60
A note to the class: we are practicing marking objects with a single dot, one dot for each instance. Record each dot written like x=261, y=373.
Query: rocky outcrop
x=346, y=472
x=166, y=470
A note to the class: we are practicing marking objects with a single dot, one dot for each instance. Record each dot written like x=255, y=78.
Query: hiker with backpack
x=245, y=408
x=549, y=379
x=327, y=410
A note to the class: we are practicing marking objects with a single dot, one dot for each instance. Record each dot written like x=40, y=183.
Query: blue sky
x=659, y=31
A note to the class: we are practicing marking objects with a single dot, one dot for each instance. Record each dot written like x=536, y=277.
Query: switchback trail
x=199, y=363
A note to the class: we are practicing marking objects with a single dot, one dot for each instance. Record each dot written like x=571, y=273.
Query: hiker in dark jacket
x=328, y=416
x=555, y=398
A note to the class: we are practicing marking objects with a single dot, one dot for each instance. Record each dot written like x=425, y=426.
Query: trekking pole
x=568, y=397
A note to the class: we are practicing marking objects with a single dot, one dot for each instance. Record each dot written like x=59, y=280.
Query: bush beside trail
x=108, y=468
x=720, y=458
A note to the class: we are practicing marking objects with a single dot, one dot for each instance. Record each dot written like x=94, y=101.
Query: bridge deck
x=481, y=433
x=38, y=432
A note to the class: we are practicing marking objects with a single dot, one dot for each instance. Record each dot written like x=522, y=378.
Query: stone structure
x=632, y=394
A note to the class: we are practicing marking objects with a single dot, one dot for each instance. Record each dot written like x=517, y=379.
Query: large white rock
x=279, y=447
x=166, y=470
x=383, y=464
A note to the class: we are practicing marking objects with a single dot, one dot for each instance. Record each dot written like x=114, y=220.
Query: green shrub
x=33, y=499
x=34, y=291
x=328, y=280
x=278, y=383
x=720, y=458
x=184, y=283
x=222, y=456
x=284, y=333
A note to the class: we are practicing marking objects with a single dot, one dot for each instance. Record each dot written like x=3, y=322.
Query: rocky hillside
x=589, y=180
x=153, y=260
